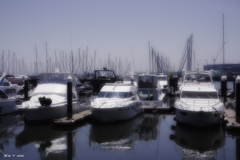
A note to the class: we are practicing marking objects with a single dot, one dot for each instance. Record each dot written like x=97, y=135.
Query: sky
x=122, y=28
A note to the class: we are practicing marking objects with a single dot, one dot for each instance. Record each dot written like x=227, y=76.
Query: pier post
x=176, y=83
x=25, y=88
x=234, y=85
x=224, y=88
x=237, y=99
x=69, y=97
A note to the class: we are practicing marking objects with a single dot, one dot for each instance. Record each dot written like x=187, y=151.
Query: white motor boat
x=199, y=104
x=149, y=91
x=8, y=95
x=116, y=102
x=49, y=99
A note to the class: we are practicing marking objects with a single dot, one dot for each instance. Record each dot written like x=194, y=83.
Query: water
x=146, y=137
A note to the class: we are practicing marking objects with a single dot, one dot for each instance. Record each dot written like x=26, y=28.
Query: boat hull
x=198, y=118
x=116, y=114
x=51, y=112
x=8, y=106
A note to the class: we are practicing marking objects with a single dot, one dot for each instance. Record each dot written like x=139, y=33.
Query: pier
x=75, y=118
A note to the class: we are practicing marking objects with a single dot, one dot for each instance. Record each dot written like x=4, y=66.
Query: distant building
x=227, y=69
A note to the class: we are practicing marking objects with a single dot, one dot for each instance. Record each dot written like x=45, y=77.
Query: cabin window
x=130, y=94
x=201, y=95
x=123, y=94
x=111, y=95
x=10, y=92
x=115, y=94
x=148, y=94
x=162, y=78
x=101, y=94
x=3, y=95
x=147, y=79
x=56, y=78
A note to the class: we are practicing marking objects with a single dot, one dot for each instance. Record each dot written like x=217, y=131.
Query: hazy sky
x=116, y=26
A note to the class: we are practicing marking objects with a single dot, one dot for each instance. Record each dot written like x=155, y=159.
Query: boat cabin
x=57, y=78
x=100, y=78
x=162, y=77
x=147, y=81
x=117, y=90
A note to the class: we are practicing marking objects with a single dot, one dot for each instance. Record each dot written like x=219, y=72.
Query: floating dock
x=157, y=109
x=229, y=119
x=75, y=118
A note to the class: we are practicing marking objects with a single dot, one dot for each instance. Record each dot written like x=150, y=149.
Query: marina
x=121, y=80
x=155, y=131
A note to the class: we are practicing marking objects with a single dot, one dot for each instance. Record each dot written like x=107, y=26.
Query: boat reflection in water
x=122, y=136
x=50, y=144
x=8, y=126
x=198, y=143
x=148, y=129
x=115, y=136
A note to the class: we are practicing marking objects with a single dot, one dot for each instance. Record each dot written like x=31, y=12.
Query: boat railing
x=106, y=103
x=193, y=83
x=200, y=105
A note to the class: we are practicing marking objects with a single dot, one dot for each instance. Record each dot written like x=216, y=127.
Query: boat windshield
x=3, y=95
x=55, y=78
x=162, y=78
x=198, y=77
x=147, y=79
x=115, y=94
x=128, y=78
x=104, y=74
x=10, y=92
x=199, y=95
x=148, y=95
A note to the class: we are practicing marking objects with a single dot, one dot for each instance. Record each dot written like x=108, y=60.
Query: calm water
x=146, y=137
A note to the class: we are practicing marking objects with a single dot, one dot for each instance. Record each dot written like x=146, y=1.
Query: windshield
x=198, y=77
x=104, y=74
x=148, y=95
x=55, y=78
x=201, y=95
x=162, y=78
x=115, y=94
x=10, y=92
x=147, y=79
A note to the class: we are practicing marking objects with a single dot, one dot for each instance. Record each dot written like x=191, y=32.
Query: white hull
x=198, y=118
x=51, y=112
x=8, y=106
x=116, y=113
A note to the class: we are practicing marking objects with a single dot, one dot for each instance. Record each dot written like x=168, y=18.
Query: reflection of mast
x=223, y=41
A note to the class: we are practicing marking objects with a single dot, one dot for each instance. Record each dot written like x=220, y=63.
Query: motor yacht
x=8, y=96
x=49, y=99
x=199, y=104
x=116, y=102
x=149, y=91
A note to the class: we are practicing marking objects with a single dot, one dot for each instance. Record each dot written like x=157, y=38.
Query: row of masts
x=80, y=63
x=159, y=63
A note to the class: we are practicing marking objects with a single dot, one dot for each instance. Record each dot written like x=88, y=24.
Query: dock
x=75, y=118
x=229, y=119
x=157, y=109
